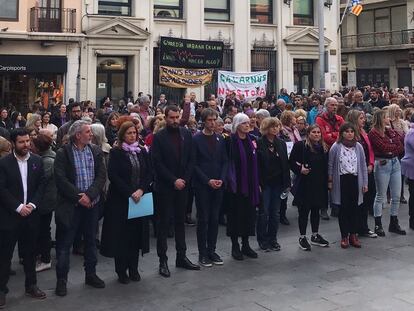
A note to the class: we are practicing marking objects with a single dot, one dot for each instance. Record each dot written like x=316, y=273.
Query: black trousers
x=348, y=211
x=304, y=210
x=171, y=202
x=208, y=203
x=411, y=199
x=44, y=239
x=366, y=205
x=26, y=233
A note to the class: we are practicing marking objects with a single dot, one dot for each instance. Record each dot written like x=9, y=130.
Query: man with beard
x=21, y=190
x=173, y=162
x=75, y=114
x=376, y=100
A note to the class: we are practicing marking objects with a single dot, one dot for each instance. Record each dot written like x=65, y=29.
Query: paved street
x=380, y=276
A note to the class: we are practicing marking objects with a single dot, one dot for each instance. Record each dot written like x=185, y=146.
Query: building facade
x=113, y=45
x=39, y=51
x=378, y=45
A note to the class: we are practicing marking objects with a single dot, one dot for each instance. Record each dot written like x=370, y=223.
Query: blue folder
x=145, y=207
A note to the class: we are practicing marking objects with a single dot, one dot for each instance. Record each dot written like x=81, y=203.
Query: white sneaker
x=42, y=266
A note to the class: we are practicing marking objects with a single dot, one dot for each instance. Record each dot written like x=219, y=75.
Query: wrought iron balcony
x=45, y=19
x=368, y=40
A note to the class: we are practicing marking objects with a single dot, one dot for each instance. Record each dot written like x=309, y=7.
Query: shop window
x=303, y=12
x=217, y=10
x=114, y=7
x=9, y=10
x=261, y=11
x=168, y=8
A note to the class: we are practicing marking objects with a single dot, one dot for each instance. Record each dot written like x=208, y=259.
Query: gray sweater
x=333, y=172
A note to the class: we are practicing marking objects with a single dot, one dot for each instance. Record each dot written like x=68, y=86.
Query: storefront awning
x=33, y=64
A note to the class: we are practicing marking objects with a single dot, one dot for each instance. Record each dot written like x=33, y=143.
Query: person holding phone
x=388, y=145
x=348, y=181
x=309, y=161
x=129, y=172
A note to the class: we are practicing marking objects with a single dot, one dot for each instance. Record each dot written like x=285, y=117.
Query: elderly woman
x=274, y=179
x=129, y=171
x=243, y=185
x=407, y=168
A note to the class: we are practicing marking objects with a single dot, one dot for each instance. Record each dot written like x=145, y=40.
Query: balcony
x=391, y=39
x=45, y=19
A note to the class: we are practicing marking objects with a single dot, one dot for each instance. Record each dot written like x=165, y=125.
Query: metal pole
x=343, y=15
x=321, y=8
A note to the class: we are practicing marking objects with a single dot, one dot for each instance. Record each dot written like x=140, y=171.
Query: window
x=217, y=10
x=261, y=11
x=9, y=10
x=303, y=12
x=168, y=8
x=265, y=59
x=115, y=7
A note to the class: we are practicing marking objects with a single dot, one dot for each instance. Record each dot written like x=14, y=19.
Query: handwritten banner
x=251, y=84
x=183, y=53
x=183, y=78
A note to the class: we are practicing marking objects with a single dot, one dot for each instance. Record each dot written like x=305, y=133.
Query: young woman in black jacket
x=309, y=161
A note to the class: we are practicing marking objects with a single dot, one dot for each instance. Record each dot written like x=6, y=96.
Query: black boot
x=412, y=222
x=378, y=227
x=246, y=249
x=235, y=249
x=395, y=227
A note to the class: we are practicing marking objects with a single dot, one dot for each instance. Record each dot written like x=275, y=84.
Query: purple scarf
x=133, y=148
x=251, y=192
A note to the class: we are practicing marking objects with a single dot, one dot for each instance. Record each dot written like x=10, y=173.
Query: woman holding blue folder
x=129, y=172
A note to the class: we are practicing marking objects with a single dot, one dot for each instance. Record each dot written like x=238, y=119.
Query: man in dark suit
x=209, y=172
x=21, y=189
x=173, y=164
x=80, y=177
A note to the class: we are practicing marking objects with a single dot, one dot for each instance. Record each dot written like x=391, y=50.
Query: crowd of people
x=351, y=151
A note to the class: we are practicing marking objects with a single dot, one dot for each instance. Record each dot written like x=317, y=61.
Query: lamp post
x=321, y=7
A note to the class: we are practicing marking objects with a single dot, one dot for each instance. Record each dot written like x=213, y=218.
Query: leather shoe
x=163, y=270
x=236, y=253
x=185, y=263
x=123, y=278
x=353, y=240
x=284, y=221
x=345, y=242
x=61, y=289
x=94, y=281
x=247, y=251
x=134, y=276
x=34, y=292
x=2, y=300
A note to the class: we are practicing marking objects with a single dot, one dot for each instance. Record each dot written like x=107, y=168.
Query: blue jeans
x=386, y=175
x=269, y=215
x=87, y=221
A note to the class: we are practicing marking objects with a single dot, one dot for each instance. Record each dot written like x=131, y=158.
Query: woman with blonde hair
x=309, y=161
x=35, y=120
x=388, y=145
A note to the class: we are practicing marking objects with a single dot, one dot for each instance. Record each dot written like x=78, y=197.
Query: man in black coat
x=21, y=190
x=173, y=164
x=80, y=177
x=209, y=173
x=75, y=114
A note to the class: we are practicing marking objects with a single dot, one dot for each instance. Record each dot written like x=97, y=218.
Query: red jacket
x=329, y=128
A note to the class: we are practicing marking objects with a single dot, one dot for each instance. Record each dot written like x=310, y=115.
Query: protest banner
x=251, y=84
x=183, y=78
x=183, y=53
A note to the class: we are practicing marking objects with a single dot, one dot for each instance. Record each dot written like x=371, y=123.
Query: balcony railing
x=368, y=40
x=43, y=19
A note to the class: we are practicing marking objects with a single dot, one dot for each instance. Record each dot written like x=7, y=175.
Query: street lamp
x=287, y=2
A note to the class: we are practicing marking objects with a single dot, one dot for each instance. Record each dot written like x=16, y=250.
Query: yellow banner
x=183, y=78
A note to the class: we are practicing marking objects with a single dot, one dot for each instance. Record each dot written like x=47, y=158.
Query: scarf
x=253, y=192
x=368, y=143
x=349, y=143
x=132, y=148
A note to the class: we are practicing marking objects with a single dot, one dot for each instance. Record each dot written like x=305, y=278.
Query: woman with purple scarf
x=243, y=185
x=129, y=172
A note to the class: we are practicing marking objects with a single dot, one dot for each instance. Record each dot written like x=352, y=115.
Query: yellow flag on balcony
x=356, y=9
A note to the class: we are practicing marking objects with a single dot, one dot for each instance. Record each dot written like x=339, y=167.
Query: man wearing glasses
x=75, y=114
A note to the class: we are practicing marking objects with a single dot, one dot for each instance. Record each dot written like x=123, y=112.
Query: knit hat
x=237, y=120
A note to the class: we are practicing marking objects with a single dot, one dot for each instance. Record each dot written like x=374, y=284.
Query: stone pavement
x=380, y=276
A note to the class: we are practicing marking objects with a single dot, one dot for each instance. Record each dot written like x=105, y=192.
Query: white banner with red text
x=250, y=84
